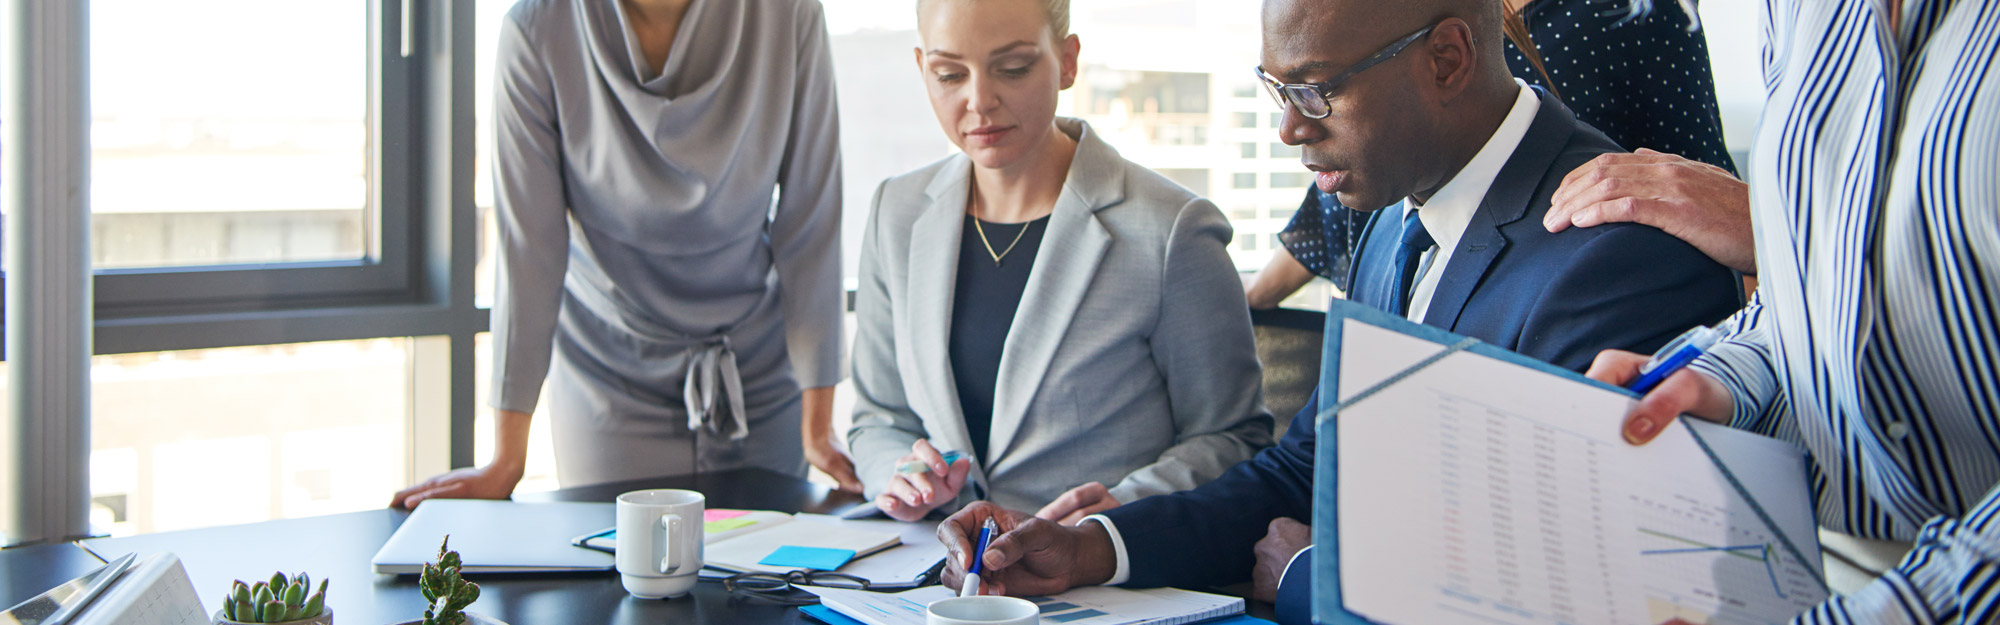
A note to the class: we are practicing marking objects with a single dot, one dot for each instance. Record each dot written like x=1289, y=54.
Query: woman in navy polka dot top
x=1641, y=78
x=1635, y=71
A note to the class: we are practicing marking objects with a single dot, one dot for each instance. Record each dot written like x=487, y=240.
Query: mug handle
x=669, y=565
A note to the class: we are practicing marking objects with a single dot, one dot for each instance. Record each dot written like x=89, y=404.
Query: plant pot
x=471, y=618
x=325, y=618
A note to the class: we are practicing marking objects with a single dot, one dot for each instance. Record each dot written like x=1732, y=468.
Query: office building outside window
x=206, y=437
x=229, y=132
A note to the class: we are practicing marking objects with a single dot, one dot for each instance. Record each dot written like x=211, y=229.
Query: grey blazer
x=1130, y=361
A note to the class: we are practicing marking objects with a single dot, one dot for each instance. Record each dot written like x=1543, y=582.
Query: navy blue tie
x=1415, y=241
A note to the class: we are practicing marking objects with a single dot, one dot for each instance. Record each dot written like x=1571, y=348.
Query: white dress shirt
x=1448, y=212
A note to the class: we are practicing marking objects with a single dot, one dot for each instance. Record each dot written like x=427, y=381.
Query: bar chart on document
x=1516, y=502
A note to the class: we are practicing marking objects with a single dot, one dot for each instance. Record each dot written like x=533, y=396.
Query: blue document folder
x=1787, y=501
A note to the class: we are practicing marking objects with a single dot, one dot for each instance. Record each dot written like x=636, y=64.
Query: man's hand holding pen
x=1029, y=556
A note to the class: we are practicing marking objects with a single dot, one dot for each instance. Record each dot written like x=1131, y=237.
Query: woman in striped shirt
x=1874, y=339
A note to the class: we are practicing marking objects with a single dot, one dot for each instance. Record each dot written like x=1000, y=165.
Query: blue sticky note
x=795, y=557
x=827, y=615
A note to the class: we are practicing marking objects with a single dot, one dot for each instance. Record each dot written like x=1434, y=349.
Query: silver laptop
x=498, y=536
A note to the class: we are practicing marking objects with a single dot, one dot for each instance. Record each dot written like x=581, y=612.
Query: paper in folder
x=1469, y=484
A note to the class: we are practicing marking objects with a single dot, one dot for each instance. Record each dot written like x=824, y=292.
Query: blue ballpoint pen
x=1678, y=353
x=971, y=586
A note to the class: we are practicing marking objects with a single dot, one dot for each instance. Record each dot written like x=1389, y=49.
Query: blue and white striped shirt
x=1875, y=335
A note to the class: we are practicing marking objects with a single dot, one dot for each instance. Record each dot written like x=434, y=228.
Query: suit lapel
x=1064, y=268
x=1505, y=202
x=1371, y=275
x=933, y=276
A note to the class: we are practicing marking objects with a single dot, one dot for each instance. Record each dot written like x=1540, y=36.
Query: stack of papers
x=1482, y=487
x=902, y=566
x=1089, y=605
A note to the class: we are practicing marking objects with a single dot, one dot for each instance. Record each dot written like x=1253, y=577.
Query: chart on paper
x=1481, y=491
x=1762, y=581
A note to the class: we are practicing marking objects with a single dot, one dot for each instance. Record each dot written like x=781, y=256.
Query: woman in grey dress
x=675, y=310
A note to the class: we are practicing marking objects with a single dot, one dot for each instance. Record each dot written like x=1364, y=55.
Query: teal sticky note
x=795, y=557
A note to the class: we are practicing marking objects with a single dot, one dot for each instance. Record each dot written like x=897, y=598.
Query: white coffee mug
x=659, y=541
x=982, y=610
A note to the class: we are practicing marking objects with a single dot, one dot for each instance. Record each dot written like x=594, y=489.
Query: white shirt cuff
x=1124, y=570
x=1290, y=562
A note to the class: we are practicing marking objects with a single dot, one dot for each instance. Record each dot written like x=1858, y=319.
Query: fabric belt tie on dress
x=710, y=365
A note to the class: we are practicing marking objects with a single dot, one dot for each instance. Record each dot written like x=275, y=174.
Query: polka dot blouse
x=1645, y=82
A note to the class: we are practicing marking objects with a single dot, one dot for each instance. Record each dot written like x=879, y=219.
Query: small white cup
x=659, y=541
x=982, y=610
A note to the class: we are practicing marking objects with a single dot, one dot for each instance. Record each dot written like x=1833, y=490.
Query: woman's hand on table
x=493, y=481
x=822, y=447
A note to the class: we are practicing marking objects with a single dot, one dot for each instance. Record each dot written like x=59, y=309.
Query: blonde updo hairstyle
x=1055, y=11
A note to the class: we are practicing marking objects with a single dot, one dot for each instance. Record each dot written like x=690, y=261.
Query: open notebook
x=751, y=552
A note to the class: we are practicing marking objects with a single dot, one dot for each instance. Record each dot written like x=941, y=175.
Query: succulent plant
x=275, y=600
x=447, y=593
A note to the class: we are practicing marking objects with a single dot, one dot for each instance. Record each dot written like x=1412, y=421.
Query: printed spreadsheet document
x=1481, y=491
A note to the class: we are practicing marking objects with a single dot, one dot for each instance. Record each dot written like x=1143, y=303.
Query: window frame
x=394, y=102
x=420, y=283
x=420, y=220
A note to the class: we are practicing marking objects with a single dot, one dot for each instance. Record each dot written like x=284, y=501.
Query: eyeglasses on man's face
x=1311, y=98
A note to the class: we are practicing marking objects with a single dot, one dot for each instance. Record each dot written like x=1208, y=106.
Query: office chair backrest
x=1288, y=343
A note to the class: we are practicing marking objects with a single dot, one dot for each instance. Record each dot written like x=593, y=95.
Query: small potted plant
x=278, y=600
x=448, y=593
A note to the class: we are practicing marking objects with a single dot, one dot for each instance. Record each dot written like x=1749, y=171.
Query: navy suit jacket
x=1560, y=298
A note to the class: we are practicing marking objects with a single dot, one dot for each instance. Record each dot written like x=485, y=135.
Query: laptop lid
x=498, y=536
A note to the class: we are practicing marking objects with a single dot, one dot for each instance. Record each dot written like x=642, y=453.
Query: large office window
x=229, y=132
x=255, y=155
x=205, y=437
x=270, y=222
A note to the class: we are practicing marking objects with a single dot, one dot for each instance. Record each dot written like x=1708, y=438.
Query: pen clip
x=1699, y=338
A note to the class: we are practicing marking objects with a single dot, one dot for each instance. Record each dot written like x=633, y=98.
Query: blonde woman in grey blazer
x=1066, y=320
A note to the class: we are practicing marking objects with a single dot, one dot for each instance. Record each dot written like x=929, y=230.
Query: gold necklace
x=989, y=244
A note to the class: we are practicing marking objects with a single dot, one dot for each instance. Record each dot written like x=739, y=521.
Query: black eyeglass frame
x=778, y=583
x=783, y=589
x=787, y=581
x=1311, y=99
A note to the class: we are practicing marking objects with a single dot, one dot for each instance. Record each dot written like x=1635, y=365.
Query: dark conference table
x=338, y=547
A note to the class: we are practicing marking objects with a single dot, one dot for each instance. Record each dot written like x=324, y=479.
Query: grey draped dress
x=669, y=244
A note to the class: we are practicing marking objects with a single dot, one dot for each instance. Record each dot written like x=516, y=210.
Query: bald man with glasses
x=1405, y=111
